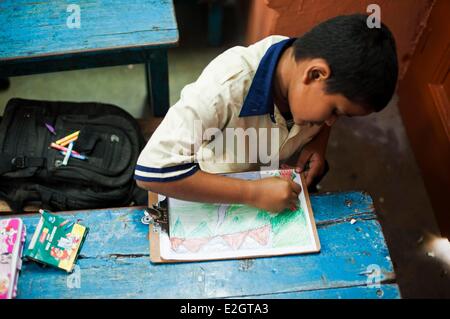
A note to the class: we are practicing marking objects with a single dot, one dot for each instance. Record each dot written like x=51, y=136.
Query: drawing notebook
x=201, y=231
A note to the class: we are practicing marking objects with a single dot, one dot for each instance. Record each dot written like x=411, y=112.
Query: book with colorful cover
x=12, y=239
x=57, y=241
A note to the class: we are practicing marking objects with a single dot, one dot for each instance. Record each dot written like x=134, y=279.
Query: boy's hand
x=312, y=157
x=275, y=194
x=311, y=162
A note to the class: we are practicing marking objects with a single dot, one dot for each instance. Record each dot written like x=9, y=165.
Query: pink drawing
x=235, y=240
x=286, y=173
x=261, y=235
x=194, y=245
x=175, y=242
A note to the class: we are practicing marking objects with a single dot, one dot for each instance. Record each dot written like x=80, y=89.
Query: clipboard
x=153, y=233
x=156, y=228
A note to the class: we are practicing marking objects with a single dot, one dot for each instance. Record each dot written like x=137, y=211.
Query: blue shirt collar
x=259, y=100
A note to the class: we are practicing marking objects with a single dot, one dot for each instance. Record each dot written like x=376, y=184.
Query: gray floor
x=371, y=154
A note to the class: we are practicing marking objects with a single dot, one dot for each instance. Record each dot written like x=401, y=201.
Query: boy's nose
x=331, y=120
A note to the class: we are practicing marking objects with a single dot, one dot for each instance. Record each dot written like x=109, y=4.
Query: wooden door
x=424, y=105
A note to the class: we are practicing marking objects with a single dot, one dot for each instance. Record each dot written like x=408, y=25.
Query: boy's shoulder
x=256, y=50
x=239, y=58
x=266, y=42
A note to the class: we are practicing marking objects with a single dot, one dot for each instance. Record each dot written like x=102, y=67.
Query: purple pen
x=50, y=128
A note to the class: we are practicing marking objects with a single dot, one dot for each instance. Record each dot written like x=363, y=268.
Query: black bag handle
x=10, y=163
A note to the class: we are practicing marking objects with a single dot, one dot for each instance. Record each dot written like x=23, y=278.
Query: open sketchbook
x=200, y=231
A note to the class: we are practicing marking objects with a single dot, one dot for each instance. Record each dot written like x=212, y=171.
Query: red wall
x=406, y=19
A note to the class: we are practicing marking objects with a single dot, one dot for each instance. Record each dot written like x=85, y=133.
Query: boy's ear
x=316, y=70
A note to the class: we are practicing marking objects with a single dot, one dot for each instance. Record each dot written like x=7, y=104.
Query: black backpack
x=33, y=172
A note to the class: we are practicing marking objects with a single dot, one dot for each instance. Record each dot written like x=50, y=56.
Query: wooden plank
x=76, y=61
x=342, y=206
x=6, y=210
x=157, y=78
x=105, y=25
x=386, y=291
x=215, y=22
x=342, y=262
x=123, y=224
x=138, y=278
x=117, y=249
x=110, y=230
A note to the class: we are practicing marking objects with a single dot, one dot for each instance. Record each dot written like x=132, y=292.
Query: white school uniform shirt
x=234, y=91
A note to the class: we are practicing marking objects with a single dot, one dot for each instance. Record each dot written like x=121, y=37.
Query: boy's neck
x=281, y=81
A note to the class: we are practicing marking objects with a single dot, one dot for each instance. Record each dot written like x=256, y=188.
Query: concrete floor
x=371, y=154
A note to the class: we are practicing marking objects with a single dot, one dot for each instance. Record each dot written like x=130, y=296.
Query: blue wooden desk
x=36, y=37
x=114, y=262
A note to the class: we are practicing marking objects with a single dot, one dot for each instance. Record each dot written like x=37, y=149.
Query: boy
x=295, y=88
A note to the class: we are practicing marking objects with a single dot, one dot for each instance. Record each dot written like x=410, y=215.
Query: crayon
x=67, y=142
x=77, y=156
x=62, y=148
x=50, y=128
x=66, y=157
x=68, y=137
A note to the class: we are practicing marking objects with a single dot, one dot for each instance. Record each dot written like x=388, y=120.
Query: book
x=56, y=241
x=203, y=231
x=12, y=239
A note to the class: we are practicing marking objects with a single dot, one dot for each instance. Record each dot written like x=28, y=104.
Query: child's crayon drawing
x=200, y=230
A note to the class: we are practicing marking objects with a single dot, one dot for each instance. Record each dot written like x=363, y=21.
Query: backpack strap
x=10, y=163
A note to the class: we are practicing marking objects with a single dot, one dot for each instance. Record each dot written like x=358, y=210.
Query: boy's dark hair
x=363, y=60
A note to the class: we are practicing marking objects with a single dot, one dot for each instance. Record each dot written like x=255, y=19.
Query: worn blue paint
x=36, y=38
x=33, y=29
x=388, y=291
x=115, y=262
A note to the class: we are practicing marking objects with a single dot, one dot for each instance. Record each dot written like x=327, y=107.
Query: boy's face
x=310, y=104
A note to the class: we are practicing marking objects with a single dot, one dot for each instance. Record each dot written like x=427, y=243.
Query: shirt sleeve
x=170, y=154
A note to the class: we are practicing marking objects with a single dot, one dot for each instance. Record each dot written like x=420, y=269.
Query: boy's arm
x=272, y=194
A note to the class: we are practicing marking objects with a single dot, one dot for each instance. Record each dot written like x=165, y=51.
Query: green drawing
x=194, y=226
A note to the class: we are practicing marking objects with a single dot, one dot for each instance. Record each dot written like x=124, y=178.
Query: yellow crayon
x=67, y=142
x=68, y=137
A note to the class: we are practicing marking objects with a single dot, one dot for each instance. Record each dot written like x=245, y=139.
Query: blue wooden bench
x=114, y=262
x=36, y=38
